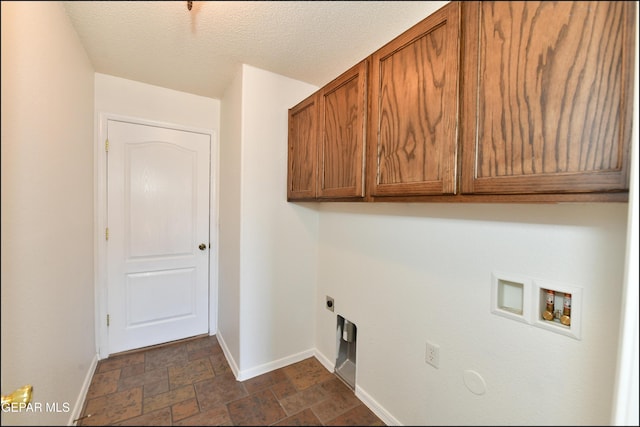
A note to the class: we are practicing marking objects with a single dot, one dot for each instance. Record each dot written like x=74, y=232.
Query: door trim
x=100, y=223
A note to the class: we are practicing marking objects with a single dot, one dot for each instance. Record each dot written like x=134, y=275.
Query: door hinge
x=106, y=233
x=108, y=319
x=106, y=145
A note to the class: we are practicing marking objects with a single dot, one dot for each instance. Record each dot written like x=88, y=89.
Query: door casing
x=100, y=221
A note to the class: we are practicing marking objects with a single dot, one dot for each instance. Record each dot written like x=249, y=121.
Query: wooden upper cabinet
x=303, y=142
x=341, y=157
x=547, y=96
x=507, y=101
x=414, y=101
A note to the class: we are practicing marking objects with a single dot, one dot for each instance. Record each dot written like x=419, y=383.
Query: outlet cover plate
x=329, y=303
x=432, y=355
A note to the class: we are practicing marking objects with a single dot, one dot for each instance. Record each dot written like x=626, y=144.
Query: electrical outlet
x=432, y=355
x=330, y=303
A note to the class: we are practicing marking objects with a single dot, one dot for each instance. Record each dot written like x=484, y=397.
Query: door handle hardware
x=21, y=396
x=202, y=246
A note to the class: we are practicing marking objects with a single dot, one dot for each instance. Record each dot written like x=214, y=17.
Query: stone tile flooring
x=190, y=383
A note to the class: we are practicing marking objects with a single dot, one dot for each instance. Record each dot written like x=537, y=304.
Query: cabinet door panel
x=547, y=96
x=342, y=121
x=303, y=135
x=414, y=108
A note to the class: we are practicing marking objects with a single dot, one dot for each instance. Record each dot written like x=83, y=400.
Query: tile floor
x=190, y=383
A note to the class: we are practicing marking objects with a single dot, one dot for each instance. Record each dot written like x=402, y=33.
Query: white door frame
x=100, y=224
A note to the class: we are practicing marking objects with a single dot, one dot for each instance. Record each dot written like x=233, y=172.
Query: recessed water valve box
x=510, y=296
x=557, y=308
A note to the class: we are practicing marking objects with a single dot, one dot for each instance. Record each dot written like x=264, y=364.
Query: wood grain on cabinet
x=547, y=96
x=414, y=100
x=303, y=142
x=341, y=161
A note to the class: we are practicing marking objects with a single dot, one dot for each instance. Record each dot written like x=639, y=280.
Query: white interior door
x=158, y=234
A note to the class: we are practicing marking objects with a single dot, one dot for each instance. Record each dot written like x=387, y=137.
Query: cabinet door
x=547, y=96
x=414, y=91
x=303, y=143
x=343, y=107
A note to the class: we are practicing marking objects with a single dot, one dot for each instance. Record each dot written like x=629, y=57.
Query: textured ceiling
x=199, y=51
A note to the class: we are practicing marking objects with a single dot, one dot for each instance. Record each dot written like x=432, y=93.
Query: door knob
x=202, y=246
x=21, y=395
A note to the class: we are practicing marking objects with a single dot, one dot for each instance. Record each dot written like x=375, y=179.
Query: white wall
x=406, y=274
x=47, y=211
x=122, y=97
x=230, y=215
x=127, y=97
x=626, y=409
x=272, y=292
x=278, y=239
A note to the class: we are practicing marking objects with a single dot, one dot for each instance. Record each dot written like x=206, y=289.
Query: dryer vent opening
x=346, y=361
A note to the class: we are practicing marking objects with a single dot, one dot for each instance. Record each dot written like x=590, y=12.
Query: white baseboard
x=276, y=364
x=77, y=409
x=369, y=401
x=261, y=369
x=326, y=362
x=376, y=408
x=227, y=354
x=329, y=364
